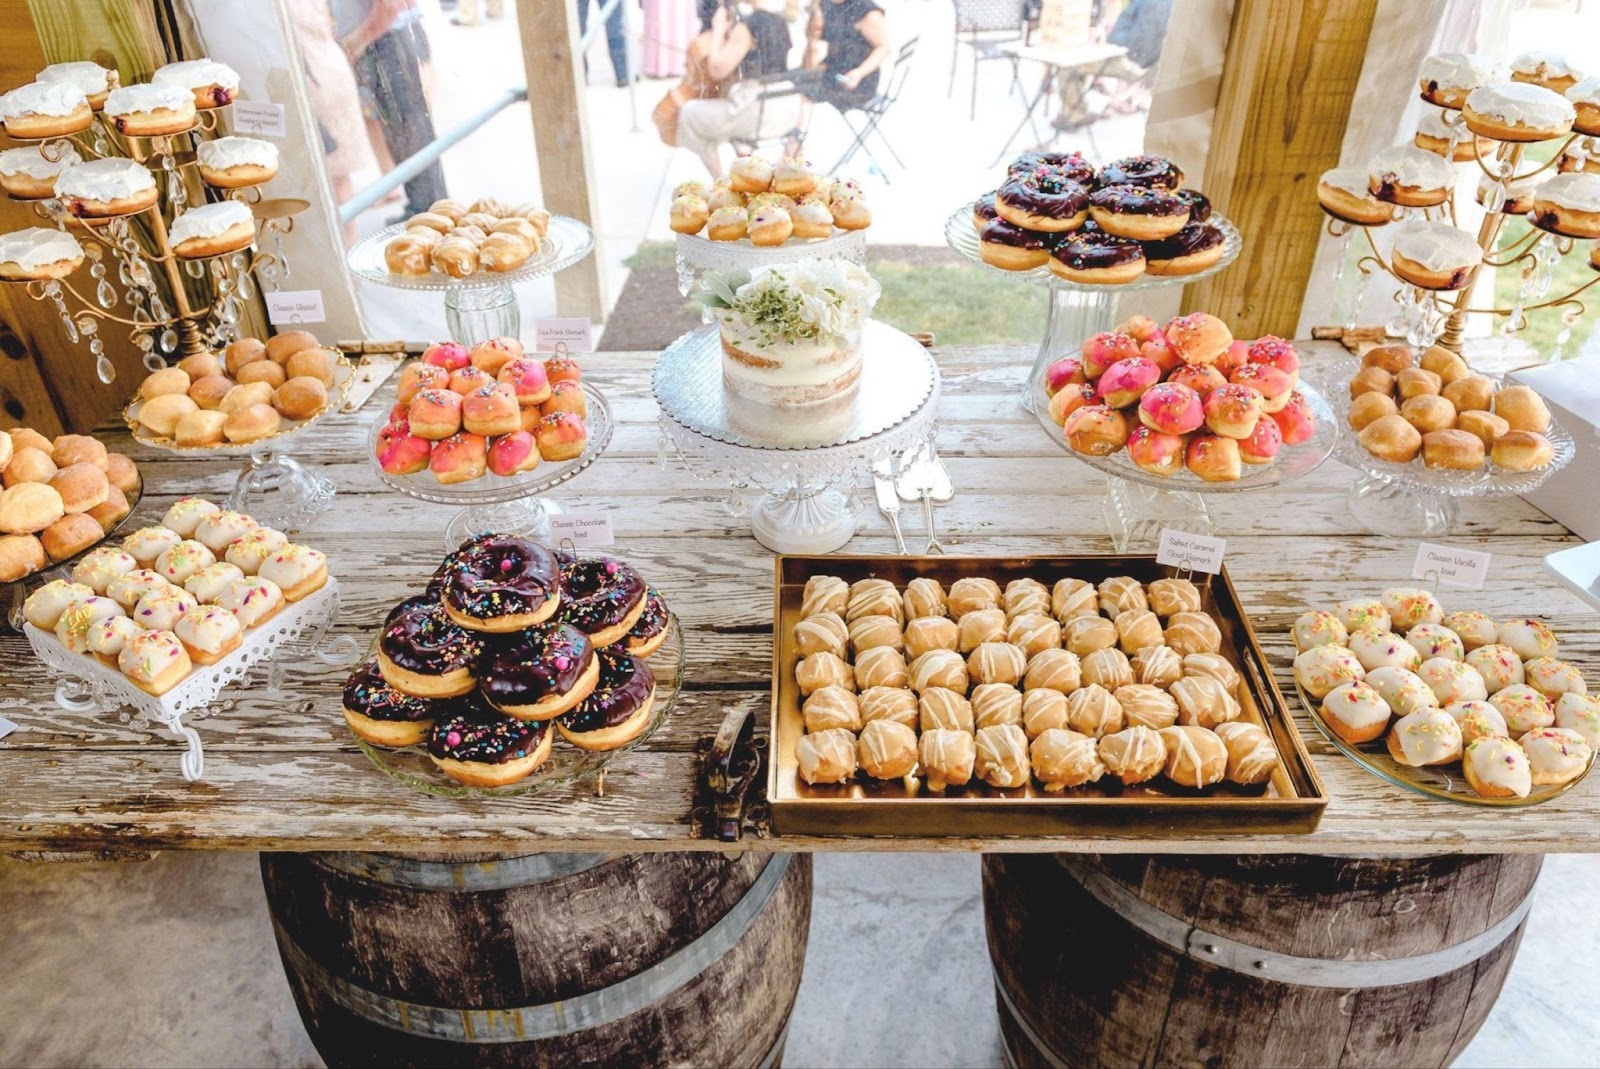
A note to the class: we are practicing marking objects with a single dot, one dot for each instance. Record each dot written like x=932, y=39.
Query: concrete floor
x=171, y=963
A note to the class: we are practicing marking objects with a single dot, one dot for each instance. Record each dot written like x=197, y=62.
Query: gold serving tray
x=1292, y=801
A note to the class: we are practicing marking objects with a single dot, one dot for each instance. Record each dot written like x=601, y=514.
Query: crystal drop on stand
x=195, y=269
x=105, y=370
x=106, y=294
x=152, y=362
x=247, y=288
x=87, y=325
x=169, y=340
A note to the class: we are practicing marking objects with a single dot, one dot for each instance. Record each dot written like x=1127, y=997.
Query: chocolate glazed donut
x=646, y=636
x=422, y=652
x=1156, y=172
x=983, y=211
x=1012, y=248
x=1199, y=204
x=1044, y=200
x=482, y=748
x=601, y=597
x=501, y=583
x=1095, y=256
x=619, y=708
x=1071, y=165
x=540, y=673
x=366, y=693
x=1138, y=212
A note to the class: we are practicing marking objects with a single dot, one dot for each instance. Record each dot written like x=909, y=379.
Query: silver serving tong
x=884, y=474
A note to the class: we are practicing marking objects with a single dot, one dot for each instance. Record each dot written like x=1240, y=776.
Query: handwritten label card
x=295, y=306
x=259, y=118
x=582, y=529
x=575, y=332
x=1452, y=565
x=1196, y=553
x=6, y=727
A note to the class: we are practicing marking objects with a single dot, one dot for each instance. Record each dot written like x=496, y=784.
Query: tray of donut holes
x=985, y=696
x=231, y=400
x=59, y=499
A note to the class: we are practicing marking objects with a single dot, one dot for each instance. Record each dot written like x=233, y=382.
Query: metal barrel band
x=1026, y=1029
x=1282, y=968
x=775, y=1052
x=497, y=874
x=524, y=1024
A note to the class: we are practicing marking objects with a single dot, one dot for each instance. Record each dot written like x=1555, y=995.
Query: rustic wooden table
x=284, y=774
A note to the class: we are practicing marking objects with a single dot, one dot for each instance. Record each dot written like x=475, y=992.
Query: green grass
x=1545, y=325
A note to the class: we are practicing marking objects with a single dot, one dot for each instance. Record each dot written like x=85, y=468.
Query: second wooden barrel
x=1234, y=961
x=544, y=959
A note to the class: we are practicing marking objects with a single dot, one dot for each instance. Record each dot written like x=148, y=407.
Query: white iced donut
x=1555, y=755
x=126, y=590
x=1408, y=607
x=1410, y=176
x=45, y=109
x=1569, y=204
x=1346, y=193
x=1580, y=713
x=73, y=627
x=150, y=110
x=103, y=188
x=1318, y=628
x=1322, y=668
x=213, y=229
x=1585, y=97
x=91, y=79
x=160, y=609
x=1355, y=712
x=252, y=599
x=236, y=162
x=208, y=583
x=1499, y=666
x=1356, y=613
x=1553, y=678
x=26, y=175
x=39, y=253
x=1477, y=719
x=1452, y=681
x=1523, y=707
x=1529, y=638
x=97, y=568
x=1474, y=628
x=1425, y=737
x=44, y=606
x=212, y=84
x=1496, y=767
x=1435, y=256
x=1517, y=111
x=1383, y=649
x=1549, y=69
x=1436, y=640
x=185, y=514
x=1402, y=690
x=1446, y=78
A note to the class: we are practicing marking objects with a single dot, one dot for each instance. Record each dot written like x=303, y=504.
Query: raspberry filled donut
x=601, y=597
x=482, y=748
x=650, y=631
x=618, y=710
x=1138, y=212
x=423, y=653
x=1154, y=172
x=1042, y=200
x=539, y=673
x=1097, y=258
x=501, y=583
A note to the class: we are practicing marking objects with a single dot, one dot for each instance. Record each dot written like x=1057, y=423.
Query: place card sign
x=6, y=727
x=295, y=306
x=1191, y=552
x=261, y=118
x=574, y=332
x=1452, y=565
x=582, y=529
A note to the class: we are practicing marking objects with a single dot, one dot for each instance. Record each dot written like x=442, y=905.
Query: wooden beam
x=549, y=31
x=1287, y=83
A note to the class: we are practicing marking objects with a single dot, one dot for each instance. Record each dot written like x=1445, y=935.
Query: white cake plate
x=804, y=462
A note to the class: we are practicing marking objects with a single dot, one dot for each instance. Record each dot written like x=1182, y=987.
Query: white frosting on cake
x=196, y=73
x=37, y=246
x=1438, y=246
x=1351, y=180
x=227, y=152
x=135, y=98
x=107, y=179
x=209, y=220
x=1579, y=191
x=1408, y=165
x=1586, y=91
x=86, y=75
x=1459, y=70
x=1522, y=103
x=42, y=98
x=1543, y=64
x=31, y=162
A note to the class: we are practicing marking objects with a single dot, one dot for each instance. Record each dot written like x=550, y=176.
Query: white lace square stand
x=84, y=685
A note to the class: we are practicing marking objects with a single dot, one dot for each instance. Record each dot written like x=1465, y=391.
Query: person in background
x=754, y=48
x=388, y=47
x=331, y=85
x=669, y=26
x=616, y=41
x=467, y=11
x=847, y=44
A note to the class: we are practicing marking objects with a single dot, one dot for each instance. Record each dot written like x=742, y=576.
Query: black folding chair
x=874, y=110
x=983, y=26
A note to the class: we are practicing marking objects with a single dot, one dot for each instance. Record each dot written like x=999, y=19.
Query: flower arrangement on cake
x=791, y=332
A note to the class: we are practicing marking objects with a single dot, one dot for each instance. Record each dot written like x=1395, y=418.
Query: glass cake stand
x=1139, y=504
x=507, y=504
x=795, y=457
x=1414, y=500
x=567, y=763
x=482, y=305
x=1078, y=310
x=697, y=255
x=272, y=486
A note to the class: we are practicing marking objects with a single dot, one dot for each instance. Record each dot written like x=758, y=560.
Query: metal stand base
x=279, y=492
x=1074, y=316
x=528, y=517
x=1387, y=509
x=1135, y=513
x=803, y=521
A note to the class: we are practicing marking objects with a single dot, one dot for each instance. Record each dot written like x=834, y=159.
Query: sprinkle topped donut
x=1071, y=165
x=601, y=597
x=1043, y=200
x=626, y=682
x=481, y=735
x=1156, y=172
x=539, y=673
x=500, y=583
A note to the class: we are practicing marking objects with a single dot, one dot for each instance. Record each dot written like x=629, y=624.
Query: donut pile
x=507, y=639
x=1064, y=686
x=1184, y=396
x=1403, y=407
x=460, y=240
x=769, y=203
x=463, y=413
x=249, y=391
x=1458, y=687
x=176, y=596
x=1103, y=226
x=60, y=497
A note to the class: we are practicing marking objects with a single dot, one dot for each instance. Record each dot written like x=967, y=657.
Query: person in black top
x=753, y=49
x=857, y=45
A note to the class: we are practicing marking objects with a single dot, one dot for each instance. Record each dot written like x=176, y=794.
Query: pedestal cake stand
x=1077, y=310
x=796, y=457
x=483, y=305
x=1409, y=500
x=502, y=503
x=697, y=255
x=1139, y=504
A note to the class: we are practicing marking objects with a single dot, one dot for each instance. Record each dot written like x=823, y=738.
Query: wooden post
x=1287, y=84
x=560, y=125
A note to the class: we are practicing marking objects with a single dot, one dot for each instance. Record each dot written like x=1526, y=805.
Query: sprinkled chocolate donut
x=618, y=709
x=539, y=673
x=1138, y=212
x=422, y=652
x=501, y=583
x=1013, y=248
x=1042, y=200
x=1095, y=256
x=483, y=748
x=413, y=602
x=983, y=211
x=601, y=597
x=1196, y=240
x=1071, y=165
x=367, y=693
x=646, y=635
x=1157, y=172
x=1199, y=204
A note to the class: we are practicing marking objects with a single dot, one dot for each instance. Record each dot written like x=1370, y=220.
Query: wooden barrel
x=543, y=959
x=1232, y=961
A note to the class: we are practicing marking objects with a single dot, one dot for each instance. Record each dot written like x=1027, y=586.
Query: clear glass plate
x=963, y=237
x=1444, y=782
x=566, y=763
x=489, y=489
x=1416, y=477
x=1291, y=463
x=567, y=242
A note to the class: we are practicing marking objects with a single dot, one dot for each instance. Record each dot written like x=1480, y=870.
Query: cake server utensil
x=883, y=482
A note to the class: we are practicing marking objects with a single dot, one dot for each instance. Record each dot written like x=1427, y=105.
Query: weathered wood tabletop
x=283, y=772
